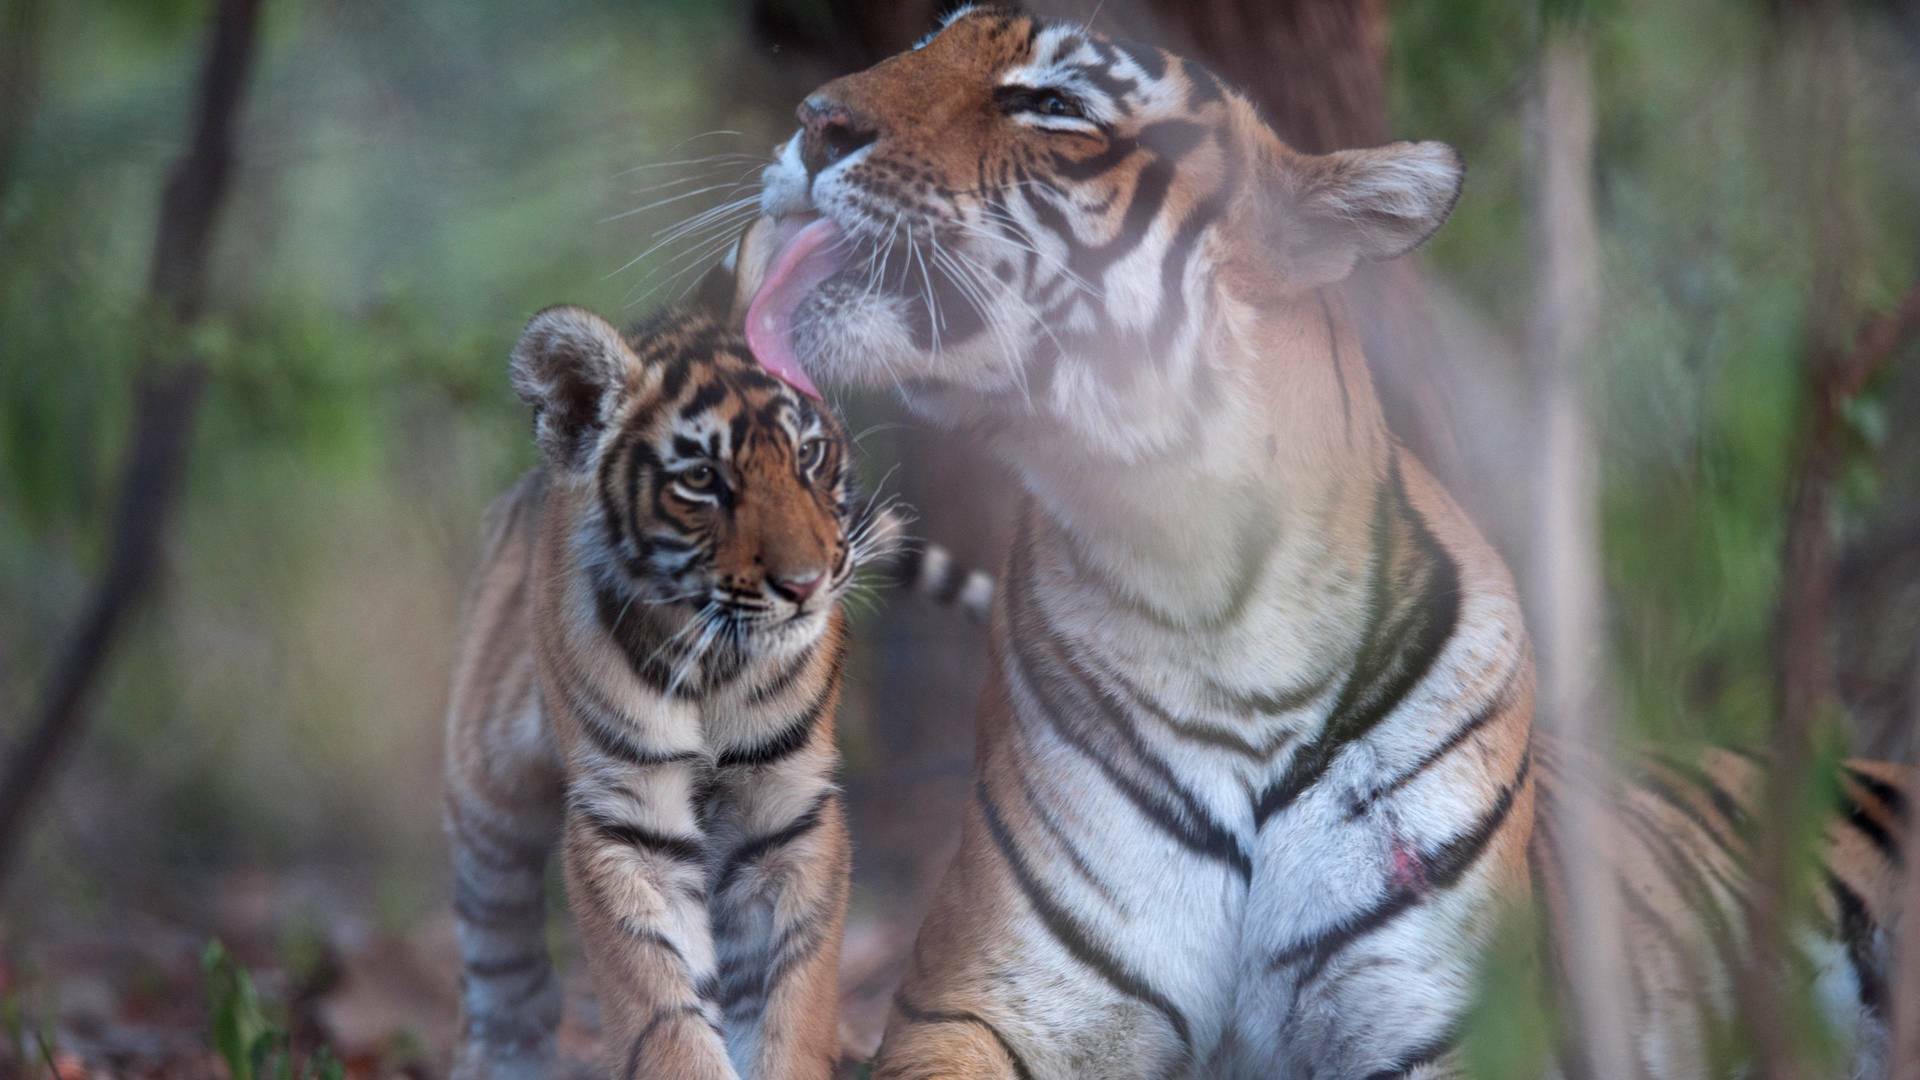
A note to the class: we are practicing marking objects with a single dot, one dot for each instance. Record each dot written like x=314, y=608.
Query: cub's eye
x=812, y=452
x=698, y=478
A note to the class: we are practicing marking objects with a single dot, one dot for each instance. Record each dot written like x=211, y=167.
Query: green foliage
x=1512, y=1027
x=1695, y=380
x=240, y=1031
x=254, y=1046
x=413, y=181
x=13, y=1020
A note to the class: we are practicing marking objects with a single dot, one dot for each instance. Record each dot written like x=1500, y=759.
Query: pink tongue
x=807, y=260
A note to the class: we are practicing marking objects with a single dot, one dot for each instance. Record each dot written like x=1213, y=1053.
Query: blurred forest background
x=254, y=758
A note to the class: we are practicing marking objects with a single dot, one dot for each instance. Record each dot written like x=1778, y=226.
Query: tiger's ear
x=571, y=366
x=1324, y=213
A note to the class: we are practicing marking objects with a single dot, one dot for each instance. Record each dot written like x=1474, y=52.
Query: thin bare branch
x=1803, y=630
x=166, y=397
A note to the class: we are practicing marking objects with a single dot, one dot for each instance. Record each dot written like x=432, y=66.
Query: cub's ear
x=572, y=366
x=1323, y=213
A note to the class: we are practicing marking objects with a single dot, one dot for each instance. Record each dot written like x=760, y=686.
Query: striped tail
x=931, y=571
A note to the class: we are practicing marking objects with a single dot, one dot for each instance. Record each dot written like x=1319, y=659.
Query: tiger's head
x=1020, y=219
x=699, y=488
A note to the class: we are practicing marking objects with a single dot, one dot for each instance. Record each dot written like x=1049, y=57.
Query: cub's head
x=702, y=487
x=1022, y=218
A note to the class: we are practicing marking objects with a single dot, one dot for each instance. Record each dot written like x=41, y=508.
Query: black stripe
x=949, y=590
x=928, y=1016
x=1403, y=639
x=659, y=941
x=1068, y=931
x=1271, y=702
x=1444, y=866
x=1339, y=371
x=1425, y=1054
x=640, y=1040
x=790, y=739
x=1685, y=874
x=1730, y=846
x=593, y=712
x=798, y=943
x=495, y=849
x=750, y=980
x=1857, y=816
x=1150, y=60
x=1856, y=931
x=1659, y=789
x=1054, y=829
x=1204, y=88
x=1890, y=795
x=678, y=848
x=760, y=845
x=905, y=569
x=1190, y=824
x=1172, y=314
x=1723, y=800
x=505, y=966
x=636, y=643
x=534, y=987
x=1195, y=732
x=491, y=913
x=1256, y=544
x=783, y=681
x=706, y=397
x=1452, y=742
x=609, y=506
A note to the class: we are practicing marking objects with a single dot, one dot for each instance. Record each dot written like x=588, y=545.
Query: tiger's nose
x=830, y=131
x=796, y=587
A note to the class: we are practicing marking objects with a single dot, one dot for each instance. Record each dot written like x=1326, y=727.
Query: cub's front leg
x=780, y=903
x=636, y=878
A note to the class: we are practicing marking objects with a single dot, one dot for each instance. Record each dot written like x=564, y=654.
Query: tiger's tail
x=929, y=570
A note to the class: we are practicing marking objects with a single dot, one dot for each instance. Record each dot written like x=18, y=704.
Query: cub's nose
x=830, y=131
x=796, y=587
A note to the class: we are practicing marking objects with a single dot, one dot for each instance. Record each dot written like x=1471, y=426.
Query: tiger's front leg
x=779, y=906
x=637, y=880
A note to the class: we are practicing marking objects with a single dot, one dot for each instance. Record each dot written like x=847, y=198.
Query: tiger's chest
x=1270, y=867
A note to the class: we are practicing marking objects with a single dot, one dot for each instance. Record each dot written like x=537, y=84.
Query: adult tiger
x=650, y=664
x=1254, y=770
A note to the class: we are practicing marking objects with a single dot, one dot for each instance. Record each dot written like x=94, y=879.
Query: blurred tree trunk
x=1568, y=597
x=1318, y=71
x=166, y=396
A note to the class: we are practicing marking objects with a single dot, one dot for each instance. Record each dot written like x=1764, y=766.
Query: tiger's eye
x=1055, y=103
x=698, y=478
x=811, y=452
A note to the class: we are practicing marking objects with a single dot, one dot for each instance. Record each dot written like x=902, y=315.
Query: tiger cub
x=650, y=661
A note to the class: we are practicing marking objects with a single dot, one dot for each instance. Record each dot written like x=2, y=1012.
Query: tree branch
x=1832, y=369
x=165, y=401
